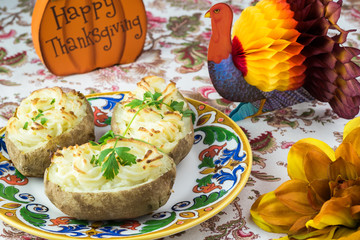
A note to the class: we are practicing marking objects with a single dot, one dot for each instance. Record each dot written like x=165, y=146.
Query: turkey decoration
x=279, y=53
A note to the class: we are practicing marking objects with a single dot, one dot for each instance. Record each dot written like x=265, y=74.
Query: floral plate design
x=208, y=179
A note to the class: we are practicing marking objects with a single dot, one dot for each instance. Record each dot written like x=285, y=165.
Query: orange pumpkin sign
x=78, y=36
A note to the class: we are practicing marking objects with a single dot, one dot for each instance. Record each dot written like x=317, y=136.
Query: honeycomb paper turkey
x=279, y=53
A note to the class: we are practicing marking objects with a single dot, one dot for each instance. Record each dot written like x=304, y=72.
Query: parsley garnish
x=149, y=99
x=178, y=106
x=109, y=159
x=152, y=99
x=43, y=121
x=40, y=114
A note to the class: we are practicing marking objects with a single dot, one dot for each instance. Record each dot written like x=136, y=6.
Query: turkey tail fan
x=331, y=76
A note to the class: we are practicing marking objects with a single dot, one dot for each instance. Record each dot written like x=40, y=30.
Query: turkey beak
x=207, y=14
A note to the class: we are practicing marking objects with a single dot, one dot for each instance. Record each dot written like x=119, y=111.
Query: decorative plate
x=208, y=179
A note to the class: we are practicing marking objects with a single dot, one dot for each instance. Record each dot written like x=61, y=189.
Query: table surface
x=176, y=49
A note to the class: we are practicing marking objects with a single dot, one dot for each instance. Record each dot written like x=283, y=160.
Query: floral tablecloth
x=176, y=49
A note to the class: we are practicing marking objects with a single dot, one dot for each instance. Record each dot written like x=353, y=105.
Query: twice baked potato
x=76, y=185
x=46, y=120
x=157, y=124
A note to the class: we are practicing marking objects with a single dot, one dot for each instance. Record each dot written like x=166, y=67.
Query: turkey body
x=226, y=76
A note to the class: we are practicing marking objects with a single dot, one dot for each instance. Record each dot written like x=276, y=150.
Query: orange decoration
x=78, y=36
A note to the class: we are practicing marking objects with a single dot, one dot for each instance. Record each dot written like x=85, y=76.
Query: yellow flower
x=322, y=198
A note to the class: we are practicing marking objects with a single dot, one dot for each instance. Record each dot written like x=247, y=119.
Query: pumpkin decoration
x=78, y=36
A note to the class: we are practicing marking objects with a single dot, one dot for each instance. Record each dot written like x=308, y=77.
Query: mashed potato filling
x=160, y=127
x=71, y=167
x=45, y=114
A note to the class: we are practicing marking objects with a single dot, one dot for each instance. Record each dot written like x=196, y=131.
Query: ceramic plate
x=208, y=179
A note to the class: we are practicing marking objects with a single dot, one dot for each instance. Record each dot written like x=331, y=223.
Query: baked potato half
x=46, y=120
x=158, y=124
x=78, y=185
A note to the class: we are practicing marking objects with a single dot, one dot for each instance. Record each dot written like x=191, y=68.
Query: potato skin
x=34, y=163
x=111, y=205
x=183, y=147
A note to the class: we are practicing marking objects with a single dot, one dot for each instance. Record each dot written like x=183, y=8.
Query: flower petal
x=282, y=238
x=254, y=211
x=352, y=134
x=316, y=234
x=344, y=233
x=352, y=125
x=294, y=195
x=336, y=211
x=319, y=193
x=347, y=152
x=355, y=212
x=347, y=189
x=346, y=170
x=316, y=165
x=298, y=152
x=353, y=137
x=272, y=215
x=299, y=226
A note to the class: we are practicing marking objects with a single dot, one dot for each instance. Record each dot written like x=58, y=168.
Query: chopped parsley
x=43, y=121
x=40, y=114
